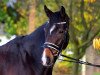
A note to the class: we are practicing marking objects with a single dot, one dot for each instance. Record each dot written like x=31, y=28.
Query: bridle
x=53, y=46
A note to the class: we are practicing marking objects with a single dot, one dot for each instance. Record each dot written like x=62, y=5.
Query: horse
x=36, y=53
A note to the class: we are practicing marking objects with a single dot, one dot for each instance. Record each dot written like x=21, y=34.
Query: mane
x=14, y=46
x=11, y=46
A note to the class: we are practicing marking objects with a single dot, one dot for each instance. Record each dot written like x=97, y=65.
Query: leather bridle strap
x=52, y=46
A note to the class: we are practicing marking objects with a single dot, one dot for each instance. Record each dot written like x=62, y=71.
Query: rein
x=78, y=61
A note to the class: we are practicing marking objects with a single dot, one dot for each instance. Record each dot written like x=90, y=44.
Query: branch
x=88, y=42
x=72, y=29
x=82, y=14
x=58, y=3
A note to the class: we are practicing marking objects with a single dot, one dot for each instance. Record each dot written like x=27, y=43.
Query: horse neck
x=33, y=43
x=37, y=34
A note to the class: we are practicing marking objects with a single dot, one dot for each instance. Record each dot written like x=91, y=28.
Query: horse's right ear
x=48, y=12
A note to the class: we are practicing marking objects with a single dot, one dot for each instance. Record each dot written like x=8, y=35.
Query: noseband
x=52, y=45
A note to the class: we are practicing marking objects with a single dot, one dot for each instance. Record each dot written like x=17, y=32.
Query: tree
x=84, y=20
x=13, y=17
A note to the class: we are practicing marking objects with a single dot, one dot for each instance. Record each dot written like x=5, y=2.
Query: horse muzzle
x=47, y=57
x=50, y=51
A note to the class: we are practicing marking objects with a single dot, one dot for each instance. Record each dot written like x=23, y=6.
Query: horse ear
x=47, y=11
x=62, y=11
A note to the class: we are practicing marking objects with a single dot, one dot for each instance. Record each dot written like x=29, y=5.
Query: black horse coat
x=22, y=55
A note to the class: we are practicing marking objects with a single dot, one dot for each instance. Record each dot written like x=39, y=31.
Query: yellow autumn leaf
x=96, y=43
x=88, y=16
x=5, y=8
x=90, y=1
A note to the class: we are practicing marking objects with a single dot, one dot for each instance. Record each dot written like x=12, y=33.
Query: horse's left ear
x=62, y=11
x=48, y=12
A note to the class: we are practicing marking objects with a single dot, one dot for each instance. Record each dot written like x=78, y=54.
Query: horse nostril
x=61, y=31
x=48, y=60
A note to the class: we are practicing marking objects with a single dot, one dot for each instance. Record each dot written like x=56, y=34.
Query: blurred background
x=21, y=17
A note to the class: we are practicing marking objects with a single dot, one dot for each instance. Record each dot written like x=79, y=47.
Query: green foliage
x=14, y=23
x=18, y=28
x=62, y=68
x=3, y=13
x=5, y=1
x=96, y=73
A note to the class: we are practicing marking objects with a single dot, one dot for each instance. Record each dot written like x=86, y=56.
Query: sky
x=4, y=39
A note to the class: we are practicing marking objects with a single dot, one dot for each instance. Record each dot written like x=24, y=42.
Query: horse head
x=56, y=35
